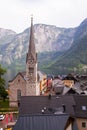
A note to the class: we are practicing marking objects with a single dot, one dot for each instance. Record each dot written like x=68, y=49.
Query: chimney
x=49, y=96
x=18, y=103
x=64, y=108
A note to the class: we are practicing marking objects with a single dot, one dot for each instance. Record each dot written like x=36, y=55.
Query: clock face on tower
x=30, y=62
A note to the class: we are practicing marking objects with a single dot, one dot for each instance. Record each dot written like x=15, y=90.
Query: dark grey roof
x=66, y=89
x=59, y=90
x=81, y=106
x=41, y=122
x=70, y=77
x=72, y=90
x=51, y=104
x=82, y=77
x=75, y=105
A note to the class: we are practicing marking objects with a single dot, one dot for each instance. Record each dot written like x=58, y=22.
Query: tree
x=3, y=93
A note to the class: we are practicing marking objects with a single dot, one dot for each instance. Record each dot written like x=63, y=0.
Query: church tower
x=32, y=87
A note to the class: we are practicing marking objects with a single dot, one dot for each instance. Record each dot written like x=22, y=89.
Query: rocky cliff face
x=75, y=59
x=60, y=49
x=6, y=36
x=47, y=39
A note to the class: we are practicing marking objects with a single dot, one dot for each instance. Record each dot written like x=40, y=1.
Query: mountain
x=6, y=36
x=75, y=58
x=48, y=39
x=60, y=50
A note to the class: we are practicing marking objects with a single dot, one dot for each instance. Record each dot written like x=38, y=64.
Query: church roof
x=20, y=73
x=23, y=74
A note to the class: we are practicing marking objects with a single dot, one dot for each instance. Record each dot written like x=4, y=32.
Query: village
x=47, y=102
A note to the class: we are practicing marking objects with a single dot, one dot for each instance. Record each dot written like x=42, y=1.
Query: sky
x=16, y=14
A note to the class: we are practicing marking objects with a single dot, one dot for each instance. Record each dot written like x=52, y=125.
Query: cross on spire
x=31, y=18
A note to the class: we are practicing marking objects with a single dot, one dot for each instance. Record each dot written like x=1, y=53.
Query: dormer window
x=84, y=108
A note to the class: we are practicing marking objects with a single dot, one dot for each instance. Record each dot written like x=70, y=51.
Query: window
x=18, y=80
x=84, y=108
x=31, y=70
x=18, y=94
x=84, y=124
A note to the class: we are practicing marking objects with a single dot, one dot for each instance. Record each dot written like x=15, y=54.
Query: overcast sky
x=15, y=14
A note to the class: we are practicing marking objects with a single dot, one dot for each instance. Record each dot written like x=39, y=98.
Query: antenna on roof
x=64, y=107
x=49, y=96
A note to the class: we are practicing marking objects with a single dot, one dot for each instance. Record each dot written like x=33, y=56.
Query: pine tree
x=3, y=93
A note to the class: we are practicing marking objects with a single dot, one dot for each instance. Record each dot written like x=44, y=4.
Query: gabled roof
x=41, y=122
x=65, y=90
x=82, y=77
x=59, y=89
x=50, y=104
x=70, y=77
x=72, y=90
x=75, y=105
x=21, y=74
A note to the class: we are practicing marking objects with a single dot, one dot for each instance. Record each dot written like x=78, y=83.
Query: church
x=27, y=83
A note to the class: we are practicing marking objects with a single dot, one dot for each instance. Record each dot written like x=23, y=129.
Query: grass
x=4, y=106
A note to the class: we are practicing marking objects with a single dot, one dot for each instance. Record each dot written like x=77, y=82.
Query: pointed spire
x=31, y=20
x=32, y=50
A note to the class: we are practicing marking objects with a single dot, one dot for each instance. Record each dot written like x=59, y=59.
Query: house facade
x=81, y=123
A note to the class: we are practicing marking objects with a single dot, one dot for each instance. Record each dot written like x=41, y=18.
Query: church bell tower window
x=31, y=70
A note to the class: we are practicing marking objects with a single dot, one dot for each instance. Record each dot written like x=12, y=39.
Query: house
x=83, y=83
x=70, y=80
x=43, y=82
x=65, y=86
x=57, y=86
x=46, y=113
x=81, y=111
x=47, y=107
